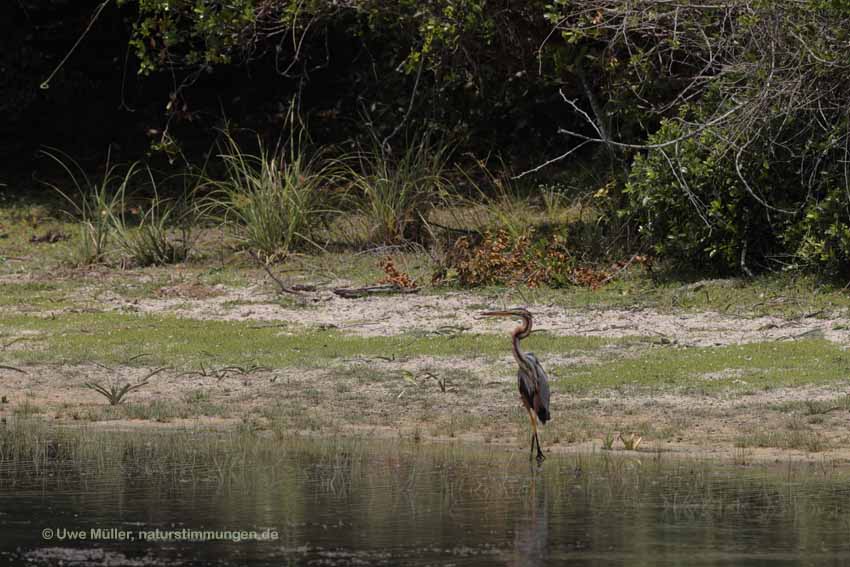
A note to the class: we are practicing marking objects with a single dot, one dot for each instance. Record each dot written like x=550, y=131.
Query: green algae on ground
x=181, y=343
x=745, y=367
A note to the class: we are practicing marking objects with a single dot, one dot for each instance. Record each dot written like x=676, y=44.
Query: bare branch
x=696, y=131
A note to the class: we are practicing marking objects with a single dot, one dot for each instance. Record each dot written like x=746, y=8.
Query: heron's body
x=532, y=381
x=534, y=388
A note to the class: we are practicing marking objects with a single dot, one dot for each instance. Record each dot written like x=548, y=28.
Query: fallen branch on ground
x=353, y=293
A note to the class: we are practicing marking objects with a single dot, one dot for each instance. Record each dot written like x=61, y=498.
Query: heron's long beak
x=498, y=314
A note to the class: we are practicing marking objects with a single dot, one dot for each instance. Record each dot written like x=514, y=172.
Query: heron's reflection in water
x=531, y=528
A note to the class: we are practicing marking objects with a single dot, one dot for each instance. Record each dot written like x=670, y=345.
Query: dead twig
x=810, y=334
x=280, y=284
x=411, y=378
x=443, y=383
x=13, y=341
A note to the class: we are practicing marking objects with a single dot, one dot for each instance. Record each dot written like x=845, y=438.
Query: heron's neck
x=520, y=333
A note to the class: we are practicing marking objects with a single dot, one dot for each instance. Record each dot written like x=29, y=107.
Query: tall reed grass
x=275, y=200
x=395, y=193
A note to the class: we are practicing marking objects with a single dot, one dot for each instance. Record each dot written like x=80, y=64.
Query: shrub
x=821, y=239
x=693, y=209
x=500, y=258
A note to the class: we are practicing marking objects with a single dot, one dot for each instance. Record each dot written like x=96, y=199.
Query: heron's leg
x=534, y=432
x=540, y=455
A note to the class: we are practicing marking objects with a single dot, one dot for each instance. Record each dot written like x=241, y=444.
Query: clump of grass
x=799, y=438
x=810, y=441
x=396, y=193
x=608, y=441
x=274, y=200
x=101, y=209
x=26, y=409
x=149, y=242
x=554, y=199
x=94, y=204
x=505, y=207
x=632, y=442
x=167, y=410
x=816, y=407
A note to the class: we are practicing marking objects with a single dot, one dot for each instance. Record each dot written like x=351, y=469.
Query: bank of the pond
x=800, y=424
x=737, y=371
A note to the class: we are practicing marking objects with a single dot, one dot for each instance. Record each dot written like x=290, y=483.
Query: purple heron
x=531, y=379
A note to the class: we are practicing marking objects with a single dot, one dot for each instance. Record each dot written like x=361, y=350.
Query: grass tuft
x=396, y=193
x=94, y=205
x=273, y=201
x=149, y=243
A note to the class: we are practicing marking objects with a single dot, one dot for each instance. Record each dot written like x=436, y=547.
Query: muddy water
x=128, y=501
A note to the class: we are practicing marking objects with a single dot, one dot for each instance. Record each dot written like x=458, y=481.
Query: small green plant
x=115, y=392
x=608, y=441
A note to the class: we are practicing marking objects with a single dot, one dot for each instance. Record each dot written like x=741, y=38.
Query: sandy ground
x=483, y=408
x=447, y=312
x=408, y=399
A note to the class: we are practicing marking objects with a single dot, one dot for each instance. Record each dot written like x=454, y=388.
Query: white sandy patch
x=459, y=312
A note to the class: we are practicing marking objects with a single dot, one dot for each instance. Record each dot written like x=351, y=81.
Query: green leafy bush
x=702, y=203
x=820, y=241
x=693, y=209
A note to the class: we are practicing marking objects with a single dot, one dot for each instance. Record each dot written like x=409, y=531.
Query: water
x=344, y=502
